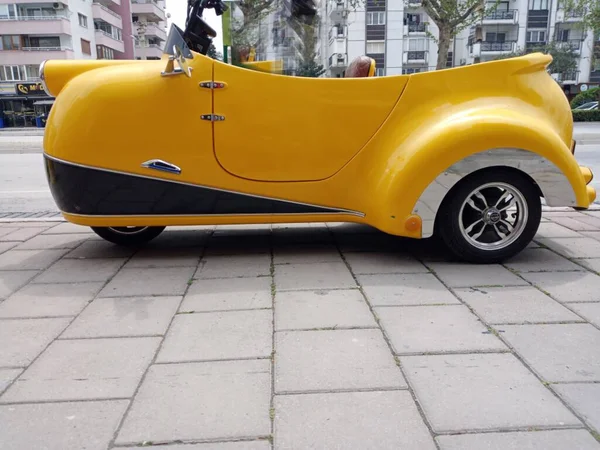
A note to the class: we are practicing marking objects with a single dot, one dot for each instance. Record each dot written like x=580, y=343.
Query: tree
x=308, y=33
x=452, y=17
x=564, y=58
x=213, y=53
x=244, y=33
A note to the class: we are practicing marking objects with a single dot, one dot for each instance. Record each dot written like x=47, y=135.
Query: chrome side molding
x=159, y=164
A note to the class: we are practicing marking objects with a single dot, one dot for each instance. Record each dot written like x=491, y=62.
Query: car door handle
x=159, y=164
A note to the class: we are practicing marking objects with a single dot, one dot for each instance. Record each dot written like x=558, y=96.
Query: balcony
x=415, y=29
x=337, y=32
x=498, y=47
x=36, y=25
x=338, y=11
x=102, y=12
x=572, y=44
x=35, y=55
x=338, y=61
x=150, y=51
x=108, y=2
x=414, y=3
x=502, y=17
x=105, y=39
x=415, y=57
x=148, y=8
x=570, y=77
x=153, y=30
x=564, y=16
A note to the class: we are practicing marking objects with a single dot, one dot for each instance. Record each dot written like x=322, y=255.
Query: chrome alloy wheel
x=493, y=216
x=128, y=230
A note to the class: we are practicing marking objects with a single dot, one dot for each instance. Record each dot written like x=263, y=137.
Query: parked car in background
x=587, y=106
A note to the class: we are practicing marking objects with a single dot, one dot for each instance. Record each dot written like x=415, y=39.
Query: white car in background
x=587, y=106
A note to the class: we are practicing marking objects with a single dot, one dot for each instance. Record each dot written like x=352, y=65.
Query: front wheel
x=128, y=236
x=490, y=216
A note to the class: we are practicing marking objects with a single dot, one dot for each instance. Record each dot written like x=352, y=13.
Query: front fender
x=418, y=174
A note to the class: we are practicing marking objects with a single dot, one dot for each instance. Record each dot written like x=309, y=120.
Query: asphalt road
x=23, y=186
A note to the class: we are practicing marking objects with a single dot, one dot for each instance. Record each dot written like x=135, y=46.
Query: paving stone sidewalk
x=296, y=337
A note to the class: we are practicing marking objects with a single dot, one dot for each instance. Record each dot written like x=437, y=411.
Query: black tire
x=454, y=212
x=128, y=236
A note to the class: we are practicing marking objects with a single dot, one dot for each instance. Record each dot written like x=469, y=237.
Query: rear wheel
x=128, y=236
x=490, y=216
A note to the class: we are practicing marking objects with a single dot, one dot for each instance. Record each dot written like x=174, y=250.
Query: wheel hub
x=491, y=216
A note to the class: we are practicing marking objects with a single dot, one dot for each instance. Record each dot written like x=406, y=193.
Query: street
x=24, y=188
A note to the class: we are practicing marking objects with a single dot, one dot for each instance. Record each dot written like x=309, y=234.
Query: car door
x=283, y=128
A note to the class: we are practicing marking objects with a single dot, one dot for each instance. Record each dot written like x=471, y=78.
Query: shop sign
x=30, y=89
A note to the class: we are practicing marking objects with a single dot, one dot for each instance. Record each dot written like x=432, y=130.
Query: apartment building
x=32, y=31
x=396, y=33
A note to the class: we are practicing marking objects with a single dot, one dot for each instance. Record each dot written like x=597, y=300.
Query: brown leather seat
x=361, y=67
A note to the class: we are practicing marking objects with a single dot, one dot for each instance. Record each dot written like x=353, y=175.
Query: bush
x=592, y=115
x=591, y=95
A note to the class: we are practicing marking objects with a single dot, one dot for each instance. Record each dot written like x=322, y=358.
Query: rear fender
x=419, y=174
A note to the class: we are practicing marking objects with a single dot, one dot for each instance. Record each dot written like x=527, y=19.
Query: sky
x=178, y=11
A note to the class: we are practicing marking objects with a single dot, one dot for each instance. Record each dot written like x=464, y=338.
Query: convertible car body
x=133, y=146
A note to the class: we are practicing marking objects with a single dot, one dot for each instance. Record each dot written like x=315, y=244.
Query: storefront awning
x=44, y=102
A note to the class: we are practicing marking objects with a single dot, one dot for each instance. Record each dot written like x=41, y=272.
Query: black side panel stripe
x=88, y=191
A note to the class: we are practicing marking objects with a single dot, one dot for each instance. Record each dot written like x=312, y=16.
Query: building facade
x=32, y=31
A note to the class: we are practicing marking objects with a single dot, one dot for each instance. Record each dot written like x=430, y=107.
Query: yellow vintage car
x=467, y=154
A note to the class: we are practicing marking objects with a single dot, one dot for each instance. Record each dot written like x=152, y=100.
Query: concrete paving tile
x=12, y=280
x=522, y=440
x=120, y=317
x=197, y=401
x=334, y=360
x=68, y=228
x=29, y=259
x=482, y=392
x=228, y=294
x=306, y=254
x=592, y=264
x=589, y=220
x=85, y=369
x=4, y=231
x=568, y=287
x=234, y=266
x=403, y=290
x=167, y=281
x=574, y=247
x=566, y=352
x=238, y=246
x=39, y=224
x=21, y=234
x=23, y=340
x=330, y=275
x=540, y=260
x=304, y=310
x=589, y=311
x=574, y=223
x=60, y=426
x=592, y=234
x=5, y=246
x=261, y=444
x=6, y=377
x=81, y=270
x=216, y=336
x=467, y=275
x=517, y=304
x=555, y=230
x=436, y=329
x=584, y=398
x=365, y=420
x=380, y=262
x=311, y=235
x=98, y=248
x=53, y=241
x=176, y=257
x=49, y=300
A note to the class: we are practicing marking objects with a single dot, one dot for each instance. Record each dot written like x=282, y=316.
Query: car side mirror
x=179, y=58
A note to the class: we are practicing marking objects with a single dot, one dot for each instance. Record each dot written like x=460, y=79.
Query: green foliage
x=213, y=53
x=310, y=69
x=591, y=95
x=586, y=116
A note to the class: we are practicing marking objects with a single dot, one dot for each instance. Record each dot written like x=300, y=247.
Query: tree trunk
x=443, y=47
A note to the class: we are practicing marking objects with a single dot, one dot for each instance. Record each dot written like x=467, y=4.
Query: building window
x=538, y=5
x=83, y=20
x=375, y=48
x=12, y=73
x=104, y=52
x=9, y=42
x=8, y=11
x=380, y=72
x=43, y=42
x=416, y=45
x=562, y=35
x=495, y=37
x=536, y=36
x=85, y=47
x=411, y=70
x=376, y=18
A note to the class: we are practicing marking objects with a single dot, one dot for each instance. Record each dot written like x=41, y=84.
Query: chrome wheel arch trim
x=555, y=186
